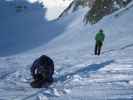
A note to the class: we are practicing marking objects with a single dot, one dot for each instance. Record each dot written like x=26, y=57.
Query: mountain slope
x=80, y=74
x=97, y=9
x=24, y=27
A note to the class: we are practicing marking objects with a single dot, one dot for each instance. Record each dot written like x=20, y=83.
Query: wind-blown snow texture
x=80, y=75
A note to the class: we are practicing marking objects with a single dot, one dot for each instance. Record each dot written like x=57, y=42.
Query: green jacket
x=100, y=37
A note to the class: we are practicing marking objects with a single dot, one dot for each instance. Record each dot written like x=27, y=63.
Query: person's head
x=101, y=30
x=43, y=59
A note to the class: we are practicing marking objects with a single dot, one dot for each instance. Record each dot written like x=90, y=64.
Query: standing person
x=42, y=71
x=99, y=41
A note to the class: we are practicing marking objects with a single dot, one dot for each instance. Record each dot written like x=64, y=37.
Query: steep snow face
x=18, y=19
x=24, y=26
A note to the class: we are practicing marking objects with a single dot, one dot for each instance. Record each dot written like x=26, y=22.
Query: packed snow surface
x=79, y=74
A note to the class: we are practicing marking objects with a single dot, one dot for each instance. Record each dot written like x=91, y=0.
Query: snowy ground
x=79, y=74
x=80, y=77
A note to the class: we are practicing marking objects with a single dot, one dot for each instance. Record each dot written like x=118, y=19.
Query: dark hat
x=100, y=30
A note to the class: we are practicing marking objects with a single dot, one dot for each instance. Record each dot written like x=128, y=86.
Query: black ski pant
x=98, y=47
x=39, y=81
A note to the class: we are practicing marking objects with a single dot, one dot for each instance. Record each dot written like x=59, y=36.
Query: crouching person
x=42, y=71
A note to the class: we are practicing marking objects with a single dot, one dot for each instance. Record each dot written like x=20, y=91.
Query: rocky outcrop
x=75, y=5
x=97, y=8
x=102, y=8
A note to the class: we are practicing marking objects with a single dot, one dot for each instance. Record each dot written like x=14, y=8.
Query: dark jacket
x=44, y=66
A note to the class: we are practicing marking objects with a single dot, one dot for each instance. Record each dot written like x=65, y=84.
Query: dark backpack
x=44, y=65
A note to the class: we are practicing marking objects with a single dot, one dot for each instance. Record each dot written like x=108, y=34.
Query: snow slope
x=24, y=28
x=80, y=74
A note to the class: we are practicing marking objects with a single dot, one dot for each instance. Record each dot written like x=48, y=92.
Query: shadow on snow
x=24, y=27
x=86, y=71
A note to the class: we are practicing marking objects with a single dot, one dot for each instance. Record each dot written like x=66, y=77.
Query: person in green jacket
x=99, y=41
